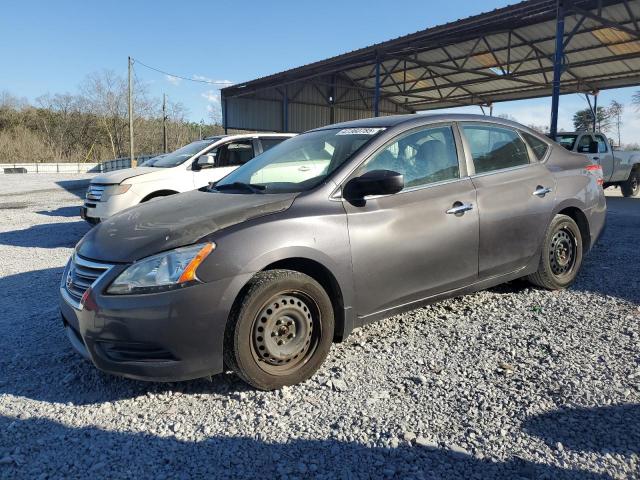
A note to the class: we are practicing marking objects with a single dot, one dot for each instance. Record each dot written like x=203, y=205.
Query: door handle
x=596, y=159
x=459, y=208
x=304, y=168
x=541, y=191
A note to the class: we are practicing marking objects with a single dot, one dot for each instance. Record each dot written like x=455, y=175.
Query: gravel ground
x=513, y=382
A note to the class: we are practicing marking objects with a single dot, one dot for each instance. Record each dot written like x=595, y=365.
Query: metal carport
x=531, y=49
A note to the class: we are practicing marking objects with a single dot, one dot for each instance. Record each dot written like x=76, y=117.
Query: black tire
x=280, y=331
x=561, y=256
x=631, y=186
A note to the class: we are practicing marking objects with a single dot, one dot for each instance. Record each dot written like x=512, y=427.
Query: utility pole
x=164, y=123
x=133, y=160
x=200, y=127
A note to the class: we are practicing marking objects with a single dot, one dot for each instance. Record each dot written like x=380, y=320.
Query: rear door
x=515, y=197
x=406, y=247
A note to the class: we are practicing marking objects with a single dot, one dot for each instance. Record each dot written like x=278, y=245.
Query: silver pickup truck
x=618, y=168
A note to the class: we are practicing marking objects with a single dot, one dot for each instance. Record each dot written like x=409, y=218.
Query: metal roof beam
x=609, y=23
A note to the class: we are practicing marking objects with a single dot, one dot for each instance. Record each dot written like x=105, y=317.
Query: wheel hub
x=562, y=252
x=283, y=330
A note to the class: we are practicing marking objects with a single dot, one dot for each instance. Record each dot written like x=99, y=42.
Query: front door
x=406, y=247
x=604, y=157
x=515, y=196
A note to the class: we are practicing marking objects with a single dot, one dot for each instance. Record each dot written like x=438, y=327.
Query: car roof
x=580, y=132
x=250, y=135
x=418, y=119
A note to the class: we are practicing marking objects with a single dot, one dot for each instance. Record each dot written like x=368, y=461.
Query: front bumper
x=95, y=211
x=169, y=336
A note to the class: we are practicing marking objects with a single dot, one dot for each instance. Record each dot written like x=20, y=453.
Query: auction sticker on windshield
x=359, y=131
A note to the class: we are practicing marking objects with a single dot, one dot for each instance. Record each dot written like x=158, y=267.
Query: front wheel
x=280, y=331
x=631, y=186
x=561, y=255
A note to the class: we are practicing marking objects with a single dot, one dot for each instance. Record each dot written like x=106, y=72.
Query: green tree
x=583, y=119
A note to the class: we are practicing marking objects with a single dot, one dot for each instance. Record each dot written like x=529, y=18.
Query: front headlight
x=112, y=190
x=165, y=271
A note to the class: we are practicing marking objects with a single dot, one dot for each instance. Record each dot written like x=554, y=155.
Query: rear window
x=538, y=146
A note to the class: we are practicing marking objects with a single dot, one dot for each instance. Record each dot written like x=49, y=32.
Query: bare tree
x=106, y=96
x=615, y=113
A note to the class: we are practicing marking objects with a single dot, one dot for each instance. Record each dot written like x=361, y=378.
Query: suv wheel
x=631, y=186
x=561, y=255
x=280, y=331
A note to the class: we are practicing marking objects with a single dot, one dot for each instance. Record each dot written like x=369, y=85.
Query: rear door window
x=495, y=148
x=538, y=146
x=269, y=143
x=236, y=153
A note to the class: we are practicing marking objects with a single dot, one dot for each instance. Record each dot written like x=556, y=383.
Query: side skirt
x=475, y=287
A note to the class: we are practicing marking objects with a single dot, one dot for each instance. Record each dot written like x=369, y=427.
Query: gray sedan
x=326, y=232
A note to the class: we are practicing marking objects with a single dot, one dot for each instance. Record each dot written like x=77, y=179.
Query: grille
x=95, y=191
x=81, y=275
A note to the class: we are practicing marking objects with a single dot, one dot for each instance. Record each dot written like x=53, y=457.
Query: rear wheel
x=631, y=186
x=280, y=331
x=561, y=255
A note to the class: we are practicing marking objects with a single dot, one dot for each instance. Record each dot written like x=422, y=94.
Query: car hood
x=172, y=222
x=121, y=175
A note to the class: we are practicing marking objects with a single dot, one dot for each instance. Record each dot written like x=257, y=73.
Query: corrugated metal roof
x=504, y=54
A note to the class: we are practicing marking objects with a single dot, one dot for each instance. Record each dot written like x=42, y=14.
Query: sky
x=50, y=47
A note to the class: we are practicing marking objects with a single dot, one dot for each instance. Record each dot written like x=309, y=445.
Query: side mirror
x=593, y=147
x=207, y=160
x=375, y=182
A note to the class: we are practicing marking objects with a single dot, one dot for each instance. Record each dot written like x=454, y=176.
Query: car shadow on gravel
x=40, y=447
x=68, y=212
x=47, y=235
x=608, y=429
x=607, y=268
x=75, y=187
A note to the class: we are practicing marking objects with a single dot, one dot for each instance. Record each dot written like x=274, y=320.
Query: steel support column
x=376, y=96
x=225, y=115
x=332, y=100
x=285, y=111
x=595, y=111
x=557, y=69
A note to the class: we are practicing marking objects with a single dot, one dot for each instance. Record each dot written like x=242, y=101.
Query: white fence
x=49, y=167
x=108, y=166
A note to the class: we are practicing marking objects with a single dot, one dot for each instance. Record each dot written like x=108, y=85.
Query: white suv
x=193, y=166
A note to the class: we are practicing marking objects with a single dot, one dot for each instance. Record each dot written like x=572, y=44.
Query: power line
x=210, y=82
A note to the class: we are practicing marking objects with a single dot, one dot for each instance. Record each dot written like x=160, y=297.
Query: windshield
x=567, y=141
x=297, y=164
x=181, y=155
x=150, y=161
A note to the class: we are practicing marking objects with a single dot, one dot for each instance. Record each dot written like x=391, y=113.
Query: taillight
x=597, y=171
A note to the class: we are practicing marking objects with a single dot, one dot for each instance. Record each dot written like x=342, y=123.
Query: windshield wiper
x=249, y=187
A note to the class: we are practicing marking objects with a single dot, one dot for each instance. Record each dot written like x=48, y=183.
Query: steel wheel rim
x=634, y=183
x=285, y=332
x=562, y=252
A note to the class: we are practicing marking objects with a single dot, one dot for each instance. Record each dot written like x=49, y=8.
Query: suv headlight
x=119, y=189
x=165, y=271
